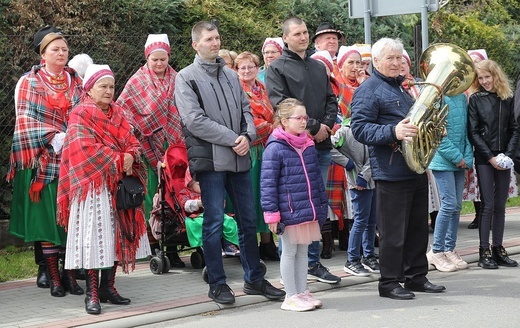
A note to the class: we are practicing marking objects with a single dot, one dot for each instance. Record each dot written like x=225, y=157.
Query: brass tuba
x=448, y=70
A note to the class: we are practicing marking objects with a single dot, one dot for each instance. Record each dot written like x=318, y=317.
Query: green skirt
x=35, y=221
x=256, y=166
x=153, y=183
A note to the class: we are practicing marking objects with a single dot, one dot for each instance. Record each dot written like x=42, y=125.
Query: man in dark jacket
x=379, y=108
x=296, y=75
x=219, y=130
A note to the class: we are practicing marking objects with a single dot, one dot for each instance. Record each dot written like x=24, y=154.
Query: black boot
x=107, y=291
x=485, y=260
x=92, y=305
x=499, y=254
x=53, y=273
x=474, y=223
x=175, y=260
x=80, y=274
x=268, y=252
x=326, y=251
x=69, y=282
x=42, y=280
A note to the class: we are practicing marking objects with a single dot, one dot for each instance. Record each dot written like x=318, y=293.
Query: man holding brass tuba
x=379, y=109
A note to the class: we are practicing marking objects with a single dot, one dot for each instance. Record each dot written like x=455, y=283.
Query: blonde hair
x=246, y=55
x=500, y=79
x=231, y=54
x=286, y=108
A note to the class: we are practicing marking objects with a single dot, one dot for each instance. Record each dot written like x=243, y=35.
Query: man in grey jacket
x=219, y=129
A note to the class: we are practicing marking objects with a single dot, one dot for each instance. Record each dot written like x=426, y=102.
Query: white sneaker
x=455, y=258
x=307, y=296
x=440, y=261
x=295, y=303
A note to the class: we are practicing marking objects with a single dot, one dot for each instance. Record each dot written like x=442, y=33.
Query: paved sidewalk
x=182, y=292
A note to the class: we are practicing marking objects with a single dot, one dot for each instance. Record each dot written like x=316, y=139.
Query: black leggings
x=494, y=189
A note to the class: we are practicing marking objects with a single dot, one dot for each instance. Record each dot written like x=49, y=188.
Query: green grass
x=18, y=262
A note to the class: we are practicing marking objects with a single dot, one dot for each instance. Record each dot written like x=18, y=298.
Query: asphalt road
x=474, y=298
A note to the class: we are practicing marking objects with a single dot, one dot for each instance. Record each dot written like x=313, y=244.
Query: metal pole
x=366, y=19
x=424, y=24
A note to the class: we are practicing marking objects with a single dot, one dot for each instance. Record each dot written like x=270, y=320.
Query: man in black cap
x=296, y=75
x=329, y=39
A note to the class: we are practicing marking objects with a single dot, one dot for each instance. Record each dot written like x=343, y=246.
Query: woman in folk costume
x=148, y=105
x=43, y=97
x=99, y=149
x=247, y=65
x=337, y=188
x=271, y=49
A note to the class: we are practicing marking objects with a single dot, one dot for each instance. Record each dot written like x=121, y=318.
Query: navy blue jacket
x=291, y=186
x=290, y=76
x=378, y=105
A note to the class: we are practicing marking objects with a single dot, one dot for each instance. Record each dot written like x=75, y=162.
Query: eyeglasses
x=299, y=118
x=245, y=68
x=270, y=52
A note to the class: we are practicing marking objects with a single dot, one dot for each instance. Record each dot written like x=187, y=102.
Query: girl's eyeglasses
x=299, y=118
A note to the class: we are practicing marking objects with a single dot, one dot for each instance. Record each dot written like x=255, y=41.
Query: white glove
x=504, y=161
x=57, y=141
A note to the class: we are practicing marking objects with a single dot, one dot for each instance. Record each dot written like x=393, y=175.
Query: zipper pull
x=398, y=103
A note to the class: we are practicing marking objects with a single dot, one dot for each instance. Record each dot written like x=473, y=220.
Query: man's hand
x=405, y=130
x=242, y=146
x=322, y=134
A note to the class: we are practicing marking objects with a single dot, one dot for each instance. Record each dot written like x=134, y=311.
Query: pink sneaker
x=307, y=296
x=295, y=303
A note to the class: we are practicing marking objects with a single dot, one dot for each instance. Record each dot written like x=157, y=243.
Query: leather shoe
x=263, y=287
x=222, y=294
x=398, y=293
x=427, y=287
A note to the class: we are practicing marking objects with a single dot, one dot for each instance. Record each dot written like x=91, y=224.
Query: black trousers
x=402, y=221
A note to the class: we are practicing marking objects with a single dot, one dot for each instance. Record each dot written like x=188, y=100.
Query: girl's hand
x=493, y=162
x=272, y=227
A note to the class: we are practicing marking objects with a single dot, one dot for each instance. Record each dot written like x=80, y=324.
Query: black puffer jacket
x=492, y=128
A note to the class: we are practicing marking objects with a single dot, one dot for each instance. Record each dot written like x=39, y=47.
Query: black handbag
x=130, y=193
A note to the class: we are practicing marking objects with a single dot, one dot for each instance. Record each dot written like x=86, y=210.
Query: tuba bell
x=448, y=70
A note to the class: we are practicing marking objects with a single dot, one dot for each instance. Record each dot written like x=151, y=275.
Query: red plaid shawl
x=148, y=104
x=92, y=153
x=262, y=110
x=40, y=114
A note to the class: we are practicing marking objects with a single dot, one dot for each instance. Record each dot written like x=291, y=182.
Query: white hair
x=384, y=45
x=79, y=63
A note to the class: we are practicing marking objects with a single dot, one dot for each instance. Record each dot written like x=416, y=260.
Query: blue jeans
x=450, y=185
x=324, y=159
x=214, y=186
x=363, y=231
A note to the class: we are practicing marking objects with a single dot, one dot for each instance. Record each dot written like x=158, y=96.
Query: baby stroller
x=167, y=217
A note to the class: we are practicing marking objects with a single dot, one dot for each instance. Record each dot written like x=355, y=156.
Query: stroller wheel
x=196, y=260
x=263, y=267
x=156, y=265
x=166, y=265
x=205, y=276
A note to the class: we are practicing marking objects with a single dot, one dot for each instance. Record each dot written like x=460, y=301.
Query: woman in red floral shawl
x=247, y=65
x=43, y=99
x=148, y=105
x=99, y=149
